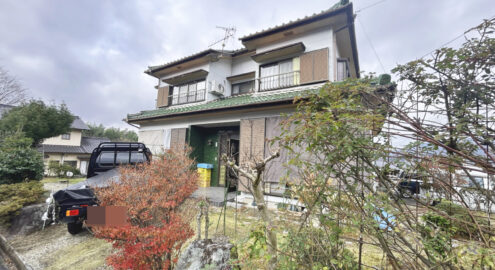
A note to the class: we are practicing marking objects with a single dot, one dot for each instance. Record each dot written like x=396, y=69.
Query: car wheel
x=74, y=227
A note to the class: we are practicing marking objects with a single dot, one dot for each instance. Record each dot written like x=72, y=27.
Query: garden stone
x=211, y=254
x=29, y=220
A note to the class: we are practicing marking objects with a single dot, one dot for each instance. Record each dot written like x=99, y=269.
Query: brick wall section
x=252, y=145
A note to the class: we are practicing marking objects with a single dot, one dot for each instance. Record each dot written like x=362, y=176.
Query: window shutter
x=320, y=65
x=162, y=98
x=178, y=137
x=252, y=145
x=306, y=63
x=314, y=66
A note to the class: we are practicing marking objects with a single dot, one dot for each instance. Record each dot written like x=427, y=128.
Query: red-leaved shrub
x=152, y=194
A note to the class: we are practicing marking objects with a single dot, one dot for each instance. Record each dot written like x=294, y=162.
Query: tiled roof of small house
x=78, y=124
x=66, y=149
x=86, y=147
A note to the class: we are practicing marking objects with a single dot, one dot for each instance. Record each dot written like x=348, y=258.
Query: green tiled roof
x=242, y=100
x=229, y=102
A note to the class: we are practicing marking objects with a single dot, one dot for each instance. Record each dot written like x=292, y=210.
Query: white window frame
x=181, y=94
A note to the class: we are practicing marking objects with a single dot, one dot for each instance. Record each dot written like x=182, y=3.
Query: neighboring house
x=231, y=101
x=71, y=148
x=4, y=108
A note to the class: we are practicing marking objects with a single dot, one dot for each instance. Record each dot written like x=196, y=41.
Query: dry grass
x=247, y=220
x=90, y=254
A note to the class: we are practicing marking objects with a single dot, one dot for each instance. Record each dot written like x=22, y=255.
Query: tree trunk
x=271, y=236
x=259, y=199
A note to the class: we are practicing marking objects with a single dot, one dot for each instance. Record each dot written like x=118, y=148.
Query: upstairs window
x=187, y=93
x=243, y=87
x=66, y=136
x=342, y=70
x=279, y=74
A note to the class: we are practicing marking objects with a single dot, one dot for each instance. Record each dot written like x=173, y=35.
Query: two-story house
x=232, y=101
x=71, y=148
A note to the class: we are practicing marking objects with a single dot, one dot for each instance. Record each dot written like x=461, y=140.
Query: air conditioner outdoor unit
x=216, y=88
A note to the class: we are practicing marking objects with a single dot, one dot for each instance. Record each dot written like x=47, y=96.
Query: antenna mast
x=229, y=33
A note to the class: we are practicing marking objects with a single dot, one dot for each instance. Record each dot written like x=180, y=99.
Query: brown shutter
x=306, y=68
x=178, y=137
x=320, y=65
x=162, y=98
x=252, y=145
x=314, y=66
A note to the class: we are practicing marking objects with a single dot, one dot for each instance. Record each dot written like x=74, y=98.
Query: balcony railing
x=278, y=81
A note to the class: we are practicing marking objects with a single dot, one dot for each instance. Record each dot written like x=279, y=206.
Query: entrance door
x=83, y=168
x=228, y=145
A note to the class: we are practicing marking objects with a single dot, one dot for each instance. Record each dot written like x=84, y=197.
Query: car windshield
x=113, y=158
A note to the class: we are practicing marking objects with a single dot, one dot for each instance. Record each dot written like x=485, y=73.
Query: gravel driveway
x=55, y=248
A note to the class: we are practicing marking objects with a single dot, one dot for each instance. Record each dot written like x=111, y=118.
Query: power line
x=371, y=44
x=368, y=6
x=454, y=39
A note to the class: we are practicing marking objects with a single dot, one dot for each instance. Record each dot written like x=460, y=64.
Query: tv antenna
x=229, y=33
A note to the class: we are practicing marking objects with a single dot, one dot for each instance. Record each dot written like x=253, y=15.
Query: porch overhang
x=187, y=77
x=279, y=53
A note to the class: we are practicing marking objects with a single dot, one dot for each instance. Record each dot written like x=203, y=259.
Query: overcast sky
x=91, y=54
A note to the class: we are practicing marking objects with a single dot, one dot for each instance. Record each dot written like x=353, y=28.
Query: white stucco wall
x=243, y=64
x=75, y=139
x=219, y=71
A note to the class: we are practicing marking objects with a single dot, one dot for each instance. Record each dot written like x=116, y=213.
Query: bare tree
x=11, y=91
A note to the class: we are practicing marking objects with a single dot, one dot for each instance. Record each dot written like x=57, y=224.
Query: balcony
x=279, y=81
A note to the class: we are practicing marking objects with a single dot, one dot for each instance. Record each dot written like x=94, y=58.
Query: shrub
x=316, y=248
x=61, y=170
x=455, y=220
x=15, y=196
x=152, y=194
x=18, y=161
